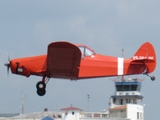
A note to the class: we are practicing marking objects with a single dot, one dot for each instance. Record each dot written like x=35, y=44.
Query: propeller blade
x=8, y=65
x=8, y=70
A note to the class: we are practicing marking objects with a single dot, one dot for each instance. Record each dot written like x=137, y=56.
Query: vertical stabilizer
x=146, y=55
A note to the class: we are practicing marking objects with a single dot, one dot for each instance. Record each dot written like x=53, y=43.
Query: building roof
x=47, y=118
x=71, y=108
x=39, y=115
x=117, y=108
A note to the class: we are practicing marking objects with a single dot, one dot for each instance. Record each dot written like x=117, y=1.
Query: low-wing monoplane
x=77, y=61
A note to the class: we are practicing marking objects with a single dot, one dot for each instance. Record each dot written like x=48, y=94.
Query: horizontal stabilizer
x=143, y=61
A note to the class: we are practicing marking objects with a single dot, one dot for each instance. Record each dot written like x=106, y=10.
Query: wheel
x=41, y=85
x=153, y=78
x=41, y=92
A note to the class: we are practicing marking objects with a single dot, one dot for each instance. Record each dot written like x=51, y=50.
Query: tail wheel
x=41, y=85
x=153, y=78
x=41, y=92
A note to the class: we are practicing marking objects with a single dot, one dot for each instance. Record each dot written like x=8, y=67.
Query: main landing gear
x=41, y=86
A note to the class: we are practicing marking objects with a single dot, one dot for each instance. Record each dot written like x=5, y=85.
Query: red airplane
x=77, y=61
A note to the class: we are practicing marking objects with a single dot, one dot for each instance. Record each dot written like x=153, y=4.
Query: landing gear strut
x=41, y=86
x=145, y=73
x=152, y=77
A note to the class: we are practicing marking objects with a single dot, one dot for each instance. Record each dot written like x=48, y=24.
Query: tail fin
x=145, y=55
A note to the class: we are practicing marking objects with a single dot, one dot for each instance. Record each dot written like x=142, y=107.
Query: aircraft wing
x=63, y=60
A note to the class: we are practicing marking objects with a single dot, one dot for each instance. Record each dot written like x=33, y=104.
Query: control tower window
x=121, y=101
x=114, y=100
x=128, y=87
x=135, y=87
x=119, y=87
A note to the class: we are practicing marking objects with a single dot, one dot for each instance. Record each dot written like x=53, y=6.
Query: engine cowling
x=20, y=67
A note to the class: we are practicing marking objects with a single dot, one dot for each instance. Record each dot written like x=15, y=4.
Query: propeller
x=8, y=65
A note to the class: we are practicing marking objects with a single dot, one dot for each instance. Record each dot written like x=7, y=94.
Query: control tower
x=127, y=101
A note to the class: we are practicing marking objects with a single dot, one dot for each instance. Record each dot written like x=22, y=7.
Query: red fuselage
x=65, y=60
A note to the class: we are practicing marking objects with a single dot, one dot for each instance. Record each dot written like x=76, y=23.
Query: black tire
x=40, y=85
x=41, y=92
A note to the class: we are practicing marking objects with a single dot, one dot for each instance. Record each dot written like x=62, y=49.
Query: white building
x=127, y=101
x=71, y=113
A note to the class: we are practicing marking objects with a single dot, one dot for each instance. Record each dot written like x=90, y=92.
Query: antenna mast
x=22, y=102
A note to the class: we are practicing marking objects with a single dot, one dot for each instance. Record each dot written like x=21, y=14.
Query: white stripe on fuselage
x=120, y=66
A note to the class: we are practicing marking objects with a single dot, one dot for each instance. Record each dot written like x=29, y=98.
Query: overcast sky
x=107, y=26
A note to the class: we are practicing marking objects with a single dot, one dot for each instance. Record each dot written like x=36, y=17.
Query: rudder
x=146, y=55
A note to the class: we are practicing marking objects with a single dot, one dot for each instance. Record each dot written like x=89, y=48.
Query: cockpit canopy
x=86, y=51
